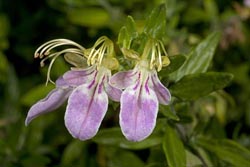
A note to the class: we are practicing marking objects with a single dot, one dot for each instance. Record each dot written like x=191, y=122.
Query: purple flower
x=143, y=90
x=140, y=100
x=87, y=91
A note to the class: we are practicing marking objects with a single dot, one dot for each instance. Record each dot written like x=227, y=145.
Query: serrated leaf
x=194, y=86
x=199, y=59
x=156, y=23
x=175, y=63
x=226, y=150
x=173, y=148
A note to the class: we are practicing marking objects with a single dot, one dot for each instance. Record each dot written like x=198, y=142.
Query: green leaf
x=175, y=63
x=123, y=158
x=35, y=94
x=167, y=112
x=199, y=59
x=193, y=160
x=127, y=33
x=111, y=136
x=91, y=17
x=226, y=150
x=156, y=157
x=156, y=23
x=194, y=86
x=151, y=141
x=173, y=148
x=114, y=137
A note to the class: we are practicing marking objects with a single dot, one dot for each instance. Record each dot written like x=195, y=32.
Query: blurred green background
x=25, y=25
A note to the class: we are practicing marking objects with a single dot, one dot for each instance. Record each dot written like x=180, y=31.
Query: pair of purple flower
x=139, y=92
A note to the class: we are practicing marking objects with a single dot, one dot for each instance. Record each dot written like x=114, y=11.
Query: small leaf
x=175, y=63
x=199, y=59
x=194, y=86
x=123, y=38
x=130, y=25
x=156, y=23
x=226, y=150
x=127, y=33
x=173, y=148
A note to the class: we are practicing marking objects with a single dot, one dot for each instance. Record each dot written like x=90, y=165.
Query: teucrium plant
x=138, y=82
x=89, y=83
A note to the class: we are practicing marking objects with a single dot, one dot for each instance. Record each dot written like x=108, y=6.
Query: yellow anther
x=130, y=54
x=102, y=48
x=165, y=61
x=155, y=51
x=110, y=63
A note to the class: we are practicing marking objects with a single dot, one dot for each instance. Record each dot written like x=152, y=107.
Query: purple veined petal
x=161, y=91
x=138, y=114
x=85, y=111
x=113, y=92
x=51, y=102
x=123, y=79
x=77, y=77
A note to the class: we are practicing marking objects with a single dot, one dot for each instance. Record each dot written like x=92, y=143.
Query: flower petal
x=85, y=111
x=123, y=79
x=138, y=112
x=78, y=77
x=113, y=92
x=51, y=102
x=161, y=91
x=60, y=82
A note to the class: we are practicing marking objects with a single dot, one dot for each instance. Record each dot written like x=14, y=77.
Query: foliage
x=208, y=120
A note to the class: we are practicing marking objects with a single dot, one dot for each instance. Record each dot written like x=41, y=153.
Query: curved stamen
x=55, y=56
x=103, y=46
x=154, y=48
x=152, y=60
x=45, y=49
x=159, y=58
